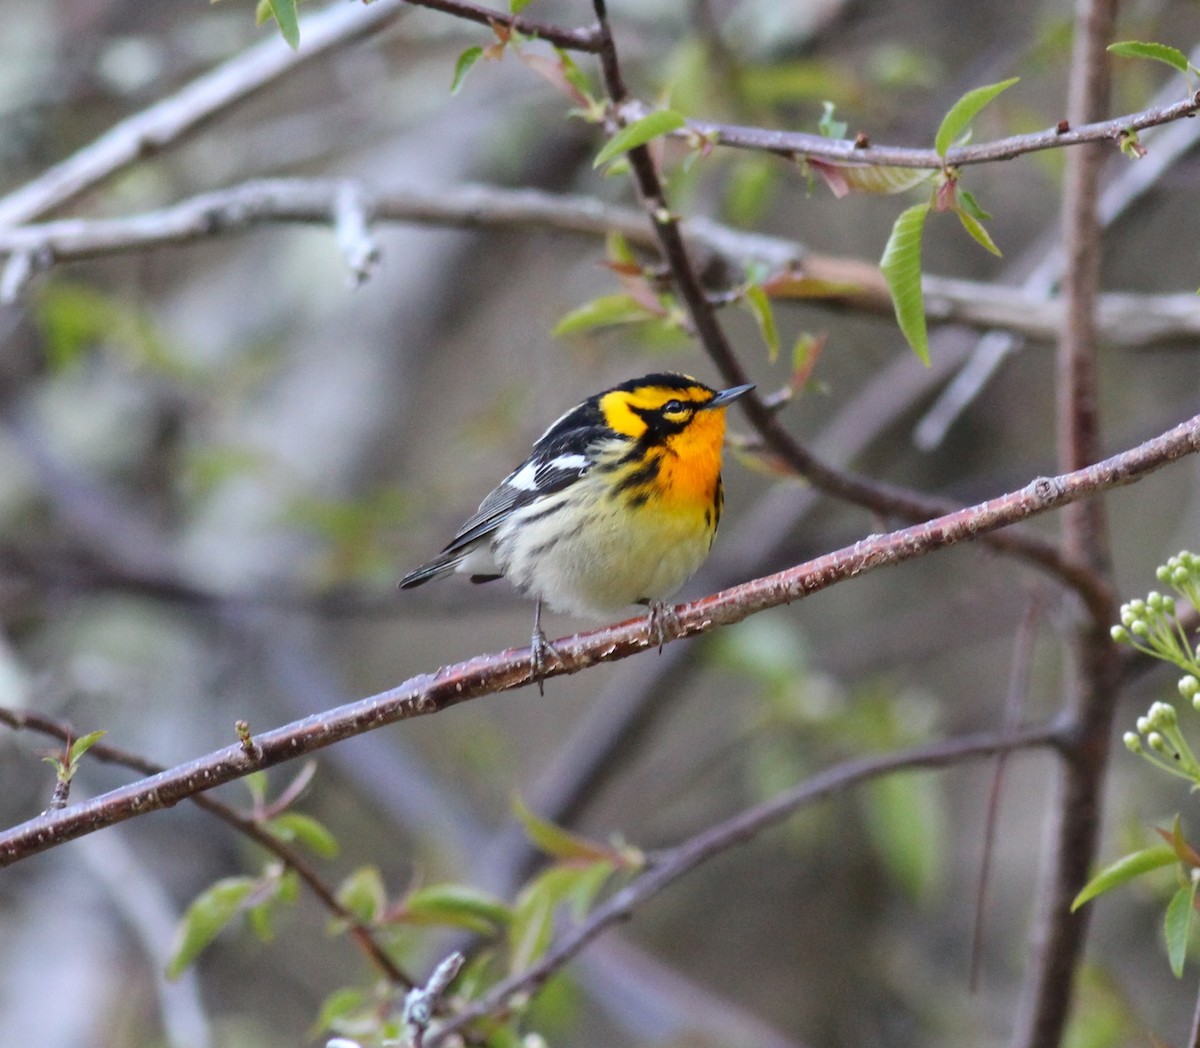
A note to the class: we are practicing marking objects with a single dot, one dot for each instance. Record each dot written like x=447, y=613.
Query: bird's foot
x=540, y=647
x=663, y=621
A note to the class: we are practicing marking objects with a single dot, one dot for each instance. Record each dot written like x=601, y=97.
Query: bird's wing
x=535, y=478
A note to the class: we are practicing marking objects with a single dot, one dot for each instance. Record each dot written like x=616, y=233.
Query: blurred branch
x=28, y=720
x=1093, y=685
x=487, y=674
x=167, y=121
x=668, y=866
x=1127, y=320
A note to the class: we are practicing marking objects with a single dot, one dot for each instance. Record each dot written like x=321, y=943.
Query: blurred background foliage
x=217, y=459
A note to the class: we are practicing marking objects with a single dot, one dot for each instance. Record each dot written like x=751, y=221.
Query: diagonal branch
x=167, y=121
x=668, y=866
x=487, y=674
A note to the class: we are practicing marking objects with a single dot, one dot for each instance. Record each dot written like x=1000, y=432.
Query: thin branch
x=167, y=121
x=668, y=866
x=801, y=145
x=585, y=40
x=1126, y=320
x=28, y=720
x=487, y=674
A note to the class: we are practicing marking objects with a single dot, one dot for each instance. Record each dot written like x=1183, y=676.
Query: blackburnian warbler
x=617, y=505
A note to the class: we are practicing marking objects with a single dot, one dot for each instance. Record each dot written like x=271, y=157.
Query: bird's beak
x=727, y=396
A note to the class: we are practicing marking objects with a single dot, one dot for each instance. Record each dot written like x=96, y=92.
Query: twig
x=585, y=40
x=1014, y=708
x=165, y=122
x=799, y=144
x=28, y=720
x=668, y=866
x=1126, y=320
x=487, y=674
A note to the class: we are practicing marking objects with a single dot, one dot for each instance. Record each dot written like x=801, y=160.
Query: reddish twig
x=586, y=40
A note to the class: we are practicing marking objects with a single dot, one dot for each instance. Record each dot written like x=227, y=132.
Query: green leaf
x=532, y=923
x=292, y=826
x=971, y=206
x=1124, y=870
x=959, y=118
x=973, y=226
x=84, y=743
x=284, y=12
x=515, y=7
x=755, y=299
x=878, y=180
x=658, y=123
x=901, y=267
x=1172, y=56
x=261, y=919
x=605, y=311
x=340, y=1005
x=463, y=66
x=363, y=894
x=1177, y=925
x=211, y=911
x=458, y=905
x=828, y=126
x=557, y=842
x=588, y=882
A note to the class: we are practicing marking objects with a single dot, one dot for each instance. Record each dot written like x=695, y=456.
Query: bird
x=617, y=504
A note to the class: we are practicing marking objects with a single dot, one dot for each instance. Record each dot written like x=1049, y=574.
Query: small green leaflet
x=463, y=66
x=1125, y=869
x=828, y=125
x=1172, y=56
x=1178, y=924
x=515, y=7
x=901, y=267
x=973, y=226
x=604, y=311
x=759, y=305
x=284, y=13
x=955, y=122
x=211, y=911
x=457, y=905
x=658, y=123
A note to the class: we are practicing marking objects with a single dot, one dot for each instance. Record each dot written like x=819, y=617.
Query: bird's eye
x=672, y=407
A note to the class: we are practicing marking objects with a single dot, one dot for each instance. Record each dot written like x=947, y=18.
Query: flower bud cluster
x=1159, y=739
x=1182, y=574
x=1151, y=626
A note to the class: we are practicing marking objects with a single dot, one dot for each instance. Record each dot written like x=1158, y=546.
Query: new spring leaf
x=638, y=133
x=901, y=267
x=955, y=122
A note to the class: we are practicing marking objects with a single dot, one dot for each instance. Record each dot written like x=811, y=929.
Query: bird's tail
x=442, y=564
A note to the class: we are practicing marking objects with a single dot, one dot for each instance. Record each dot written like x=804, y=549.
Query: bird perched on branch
x=618, y=504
